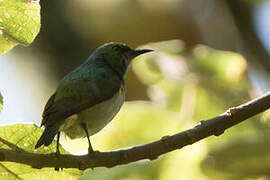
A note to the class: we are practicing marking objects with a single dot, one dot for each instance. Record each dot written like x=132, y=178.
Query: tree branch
x=215, y=126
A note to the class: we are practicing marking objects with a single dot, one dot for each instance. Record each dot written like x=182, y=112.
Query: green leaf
x=19, y=23
x=1, y=102
x=25, y=136
x=224, y=66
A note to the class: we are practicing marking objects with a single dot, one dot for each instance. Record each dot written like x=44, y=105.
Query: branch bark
x=215, y=126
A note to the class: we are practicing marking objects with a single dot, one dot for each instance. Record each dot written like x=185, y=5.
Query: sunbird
x=89, y=97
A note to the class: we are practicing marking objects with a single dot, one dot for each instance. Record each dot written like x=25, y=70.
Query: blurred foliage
x=245, y=156
x=134, y=171
x=19, y=23
x=1, y=102
x=25, y=137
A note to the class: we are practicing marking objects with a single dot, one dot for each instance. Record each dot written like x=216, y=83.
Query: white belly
x=95, y=118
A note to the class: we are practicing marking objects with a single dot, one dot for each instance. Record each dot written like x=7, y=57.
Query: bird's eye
x=121, y=49
x=117, y=48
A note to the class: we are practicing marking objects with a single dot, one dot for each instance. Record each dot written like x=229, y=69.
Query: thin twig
x=215, y=126
x=11, y=145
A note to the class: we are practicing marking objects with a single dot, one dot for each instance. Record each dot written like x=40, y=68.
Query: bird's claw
x=91, y=152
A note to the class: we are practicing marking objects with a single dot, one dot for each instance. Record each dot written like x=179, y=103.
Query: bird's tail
x=47, y=136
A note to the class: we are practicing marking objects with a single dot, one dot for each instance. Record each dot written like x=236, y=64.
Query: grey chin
x=142, y=51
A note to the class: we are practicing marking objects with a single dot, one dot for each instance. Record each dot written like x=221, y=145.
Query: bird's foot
x=91, y=152
x=57, y=154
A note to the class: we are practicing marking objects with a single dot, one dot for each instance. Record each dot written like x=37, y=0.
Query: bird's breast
x=95, y=118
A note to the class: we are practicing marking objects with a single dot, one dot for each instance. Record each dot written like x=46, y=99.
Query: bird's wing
x=78, y=91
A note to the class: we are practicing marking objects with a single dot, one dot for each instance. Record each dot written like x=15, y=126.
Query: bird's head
x=118, y=56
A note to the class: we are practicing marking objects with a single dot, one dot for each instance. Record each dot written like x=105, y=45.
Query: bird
x=90, y=96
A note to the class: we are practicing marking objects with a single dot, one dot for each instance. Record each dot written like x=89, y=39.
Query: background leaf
x=19, y=23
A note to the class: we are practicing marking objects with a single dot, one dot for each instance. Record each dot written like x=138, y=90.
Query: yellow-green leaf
x=19, y=23
x=25, y=136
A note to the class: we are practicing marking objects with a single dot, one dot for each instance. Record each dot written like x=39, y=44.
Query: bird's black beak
x=141, y=51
